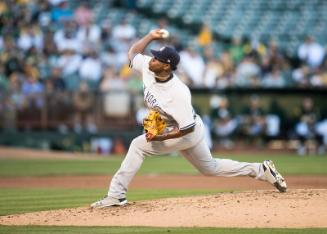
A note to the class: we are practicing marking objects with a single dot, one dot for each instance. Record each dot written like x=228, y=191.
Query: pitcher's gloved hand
x=153, y=125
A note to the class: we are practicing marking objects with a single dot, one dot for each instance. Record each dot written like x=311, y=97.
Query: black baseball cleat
x=273, y=176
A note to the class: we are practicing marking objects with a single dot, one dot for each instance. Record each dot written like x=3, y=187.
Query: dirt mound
x=299, y=208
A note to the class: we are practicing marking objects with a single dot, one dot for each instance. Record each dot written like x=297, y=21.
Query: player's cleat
x=273, y=176
x=109, y=201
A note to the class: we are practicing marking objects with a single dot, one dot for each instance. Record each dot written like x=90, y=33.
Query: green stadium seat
x=277, y=18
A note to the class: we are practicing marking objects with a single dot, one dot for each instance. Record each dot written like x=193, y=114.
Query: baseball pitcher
x=172, y=125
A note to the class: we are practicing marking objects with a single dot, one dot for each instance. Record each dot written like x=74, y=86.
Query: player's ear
x=167, y=67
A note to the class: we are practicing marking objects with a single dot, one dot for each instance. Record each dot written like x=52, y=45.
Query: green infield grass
x=150, y=230
x=286, y=164
x=22, y=200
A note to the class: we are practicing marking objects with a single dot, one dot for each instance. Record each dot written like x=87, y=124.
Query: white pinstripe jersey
x=172, y=98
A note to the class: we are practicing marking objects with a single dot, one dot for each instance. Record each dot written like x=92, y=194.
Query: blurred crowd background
x=64, y=68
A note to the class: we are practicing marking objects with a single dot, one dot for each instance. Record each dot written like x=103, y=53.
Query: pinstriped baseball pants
x=192, y=146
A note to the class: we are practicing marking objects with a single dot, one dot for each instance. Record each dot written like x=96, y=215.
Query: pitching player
x=164, y=92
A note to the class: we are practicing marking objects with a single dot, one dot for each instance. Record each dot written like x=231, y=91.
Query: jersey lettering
x=150, y=99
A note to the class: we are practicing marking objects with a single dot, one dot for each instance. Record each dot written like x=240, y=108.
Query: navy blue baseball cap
x=167, y=55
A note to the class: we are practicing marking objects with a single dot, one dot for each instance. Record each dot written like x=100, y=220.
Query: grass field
x=287, y=164
x=20, y=200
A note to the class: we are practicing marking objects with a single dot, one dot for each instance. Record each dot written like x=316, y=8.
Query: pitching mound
x=265, y=208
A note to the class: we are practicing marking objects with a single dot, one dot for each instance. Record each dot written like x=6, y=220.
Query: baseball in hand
x=164, y=33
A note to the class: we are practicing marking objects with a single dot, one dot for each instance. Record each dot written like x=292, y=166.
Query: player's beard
x=154, y=69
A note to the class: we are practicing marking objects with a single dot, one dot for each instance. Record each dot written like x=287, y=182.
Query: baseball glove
x=153, y=124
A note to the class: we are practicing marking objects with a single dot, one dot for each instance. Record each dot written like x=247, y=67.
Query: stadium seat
x=278, y=19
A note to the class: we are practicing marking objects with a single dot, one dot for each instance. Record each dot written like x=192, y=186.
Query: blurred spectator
x=247, y=73
x=134, y=83
x=124, y=31
x=49, y=45
x=69, y=62
x=44, y=65
x=33, y=91
x=253, y=120
x=83, y=101
x=306, y=129
x=123, y=34
x=56, y=80
x=111, y=81
x=193, y=66
x=224, y=124
x=255, y=48
x=236, y=50
x=90, y=69
x=61, y=10
x=227, y=62
x=311, y=53
x=110, y=57
x=228, y=76
x=205, y=36
x=274, y=58
x=8, y=114
x=66, y=38
x=3, y=8
x=83, y=14
x=89, y=35
x=12, y=103
x=14, y=62
x=274, y=79
x=30, y=37
x=43, y=14
x=14, y=91
x=57, y=99
x=106, y=34
x=276, y=121
x=301, y=76
x=214, y=70
x=319, y=78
